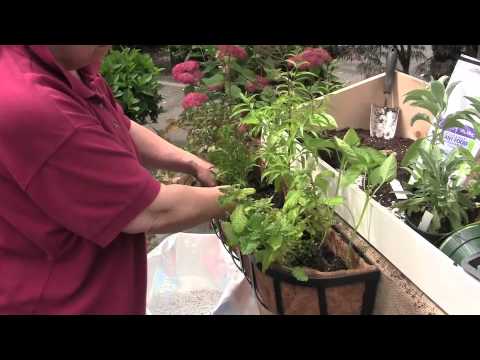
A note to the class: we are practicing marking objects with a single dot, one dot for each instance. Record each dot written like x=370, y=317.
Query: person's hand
x=204, y=174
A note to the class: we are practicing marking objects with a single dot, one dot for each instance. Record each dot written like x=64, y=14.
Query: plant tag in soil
x=426, y=220
x=398, y=190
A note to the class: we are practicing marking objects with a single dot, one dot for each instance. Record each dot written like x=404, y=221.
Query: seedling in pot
x=375, y=168
x=440, y=189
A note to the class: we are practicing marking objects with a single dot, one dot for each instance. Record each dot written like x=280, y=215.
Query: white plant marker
x=426, y=220
x=398, y=190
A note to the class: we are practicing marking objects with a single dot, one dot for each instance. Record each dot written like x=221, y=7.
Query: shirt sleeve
x=92, y=186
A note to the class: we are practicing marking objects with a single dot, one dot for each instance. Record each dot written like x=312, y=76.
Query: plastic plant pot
x=463, y=243
x=434, y=238
x=471, y=265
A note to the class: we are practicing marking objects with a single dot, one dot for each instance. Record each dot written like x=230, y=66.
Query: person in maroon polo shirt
x=76, y=196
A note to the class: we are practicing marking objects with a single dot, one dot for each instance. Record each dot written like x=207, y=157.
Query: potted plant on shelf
x=439, y=202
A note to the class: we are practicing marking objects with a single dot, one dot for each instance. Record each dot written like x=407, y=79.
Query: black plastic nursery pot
x=434, y=238
x=343, y=292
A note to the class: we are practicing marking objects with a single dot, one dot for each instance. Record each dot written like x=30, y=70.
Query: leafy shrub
x=134, y=80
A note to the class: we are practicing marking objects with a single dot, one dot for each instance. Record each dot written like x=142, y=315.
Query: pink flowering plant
x=216, y=77
x=225, y=82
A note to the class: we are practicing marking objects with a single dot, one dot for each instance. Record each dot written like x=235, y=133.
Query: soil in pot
x=399, y=146
x=262, y=190
x=322, y=259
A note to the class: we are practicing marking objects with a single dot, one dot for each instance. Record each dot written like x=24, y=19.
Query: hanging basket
x=343, y=292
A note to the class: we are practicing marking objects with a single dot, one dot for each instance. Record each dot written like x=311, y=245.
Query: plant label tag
x=426, y=220
x=398, y=190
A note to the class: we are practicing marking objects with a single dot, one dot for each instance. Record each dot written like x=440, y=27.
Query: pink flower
x=262, y=82
x=231, y=50
x=187, y=72
x=250, y=86
x=298, y=59
x=259, y=84
x=194, y=99
x=311, y=58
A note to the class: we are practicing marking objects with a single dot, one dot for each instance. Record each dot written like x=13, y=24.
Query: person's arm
x=158, y=153
x=176, y=208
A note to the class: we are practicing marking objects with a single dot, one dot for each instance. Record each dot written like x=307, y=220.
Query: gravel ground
x=196, y=302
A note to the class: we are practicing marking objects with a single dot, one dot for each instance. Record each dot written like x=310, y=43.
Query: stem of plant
x=337, y=190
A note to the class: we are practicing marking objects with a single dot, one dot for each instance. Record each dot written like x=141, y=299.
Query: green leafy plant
x=438, y=184
x=293, y=234
x=361, y=162
x=440, y=188
x=231, y=155
x=134, y=80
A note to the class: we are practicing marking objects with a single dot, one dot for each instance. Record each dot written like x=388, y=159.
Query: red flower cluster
x=187, y=72
x=194, y=99
x=311, y=58
x=231, y=50
x=257, y=85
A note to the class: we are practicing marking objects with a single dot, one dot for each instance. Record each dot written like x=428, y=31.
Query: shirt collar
x=90, y=73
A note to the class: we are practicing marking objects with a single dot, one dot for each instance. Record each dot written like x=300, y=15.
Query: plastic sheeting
x=185, y=264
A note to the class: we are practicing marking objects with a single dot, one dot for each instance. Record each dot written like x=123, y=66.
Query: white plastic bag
x=192, y=274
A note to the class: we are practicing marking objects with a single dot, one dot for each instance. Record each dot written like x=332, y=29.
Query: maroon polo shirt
x=70, y=181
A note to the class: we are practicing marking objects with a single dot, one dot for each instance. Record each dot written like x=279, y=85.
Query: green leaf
x=267, y=260
x=238, y=219
x=475, y=102
x=412, y=152
x=385, y=172
x=333, y=201
x=420, y=116
x=214, y=80
x=419, y=95
x=250, y=120
x=273, y=74
x=315, y=144
x=452, y=121
x=345, y=148
x=350, y=176
x=235, y=91
x=438, y=90
x=321, y=183
x=249, y=74
x=430, y=106
x=371, y=157
x=248, y=248
x=299, y=274
x=351, y=138
x=231, y=238
x=292, y=199
x=324, y=120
